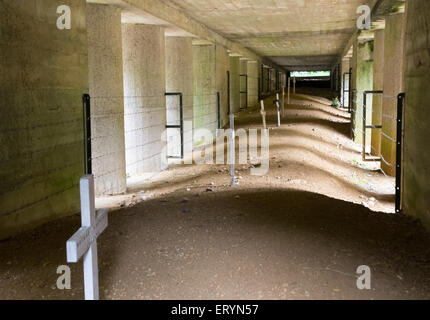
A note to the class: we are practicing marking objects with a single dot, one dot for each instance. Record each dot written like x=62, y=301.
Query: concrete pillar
x=235, y=84
x=144, y=101
x=253, y=73
x=41, y=84
x=107, y=104
x=416, y=172
x=243, y=82
x=205, y=90
x=179, y=78
x=393, y=85
x=363, y=53
x=378, y=84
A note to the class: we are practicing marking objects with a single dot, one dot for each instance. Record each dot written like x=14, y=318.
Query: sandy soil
x=300, y=232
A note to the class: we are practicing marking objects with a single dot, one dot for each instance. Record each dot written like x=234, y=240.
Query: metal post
x=219, y=109
x=228, y=93
x=364, y=125
x=246, y=86
x=343, y=89
x=246, y=89
x=87, y=132
x=259, y=88
x=181, y=116
x=399, y=151
x=350, y=91
x=181, y=121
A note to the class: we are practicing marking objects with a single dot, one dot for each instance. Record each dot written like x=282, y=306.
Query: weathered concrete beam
x=169, y=16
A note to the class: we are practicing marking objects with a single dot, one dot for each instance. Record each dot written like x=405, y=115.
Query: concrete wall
x=363, y=82
x=378, y=84
x=179, y=78
x=205, y=99
x=107, y=104
x=243, y=83
x=253, y=74
x=44, y=72
x=235, y=84
x=144, y=101
x=416, y=195
x=210, y=67
x=393, y=85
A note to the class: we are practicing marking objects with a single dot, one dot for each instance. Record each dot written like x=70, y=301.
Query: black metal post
x=181, y=119
x=219, y=109
x=351, y=94
x=365, y=126
x=86, y=100
x=246, y=79
x=259, y=89
x=262, y=80
x=246, y=89
x=399, y=151
x=344, y=89
x=228, y=93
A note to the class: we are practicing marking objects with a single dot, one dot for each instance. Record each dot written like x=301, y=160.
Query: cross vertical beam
x=232, y=150
x=84, y=242
x=263, y=115
x=91, y=273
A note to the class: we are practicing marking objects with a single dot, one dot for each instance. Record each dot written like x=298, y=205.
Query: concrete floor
x=298, y=233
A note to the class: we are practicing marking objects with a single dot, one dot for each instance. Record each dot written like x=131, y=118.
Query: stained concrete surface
x=107, y=102
x=416, y=197
x=378, y=84
x=279, y=28
x=144, y=98
x=44, y=73
x=394, y=83
x=298, y=233
x=179, y=78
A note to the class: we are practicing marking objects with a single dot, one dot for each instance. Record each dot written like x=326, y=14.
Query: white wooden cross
x=283, y=101
x=232, y=151
x=84, y=241
x=278, y=106
x=294, y=83
x=263, y=114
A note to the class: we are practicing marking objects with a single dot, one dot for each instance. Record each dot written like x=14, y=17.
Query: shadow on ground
x=255, y=244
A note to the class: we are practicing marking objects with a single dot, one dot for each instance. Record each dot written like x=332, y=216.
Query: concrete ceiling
x=317, y=30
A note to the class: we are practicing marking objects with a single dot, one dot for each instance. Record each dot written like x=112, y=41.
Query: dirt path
x=300, y=232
